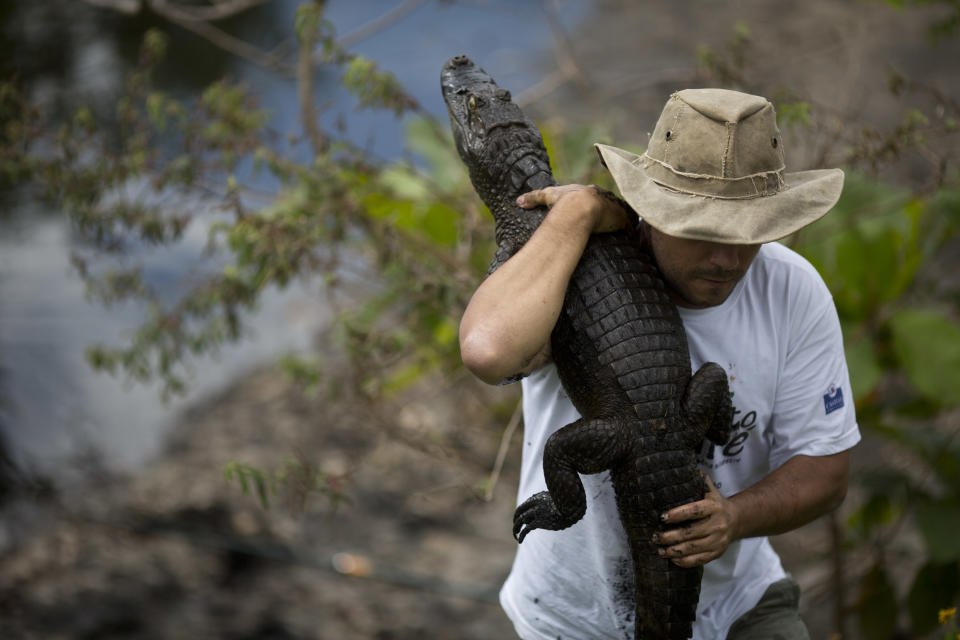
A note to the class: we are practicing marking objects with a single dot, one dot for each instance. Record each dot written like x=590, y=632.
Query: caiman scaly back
x=620, y=351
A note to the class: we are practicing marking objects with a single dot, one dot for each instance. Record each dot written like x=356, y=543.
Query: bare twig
x=378, y=24
x=128, y=7
x=542, y=89
x=567, y=67
x=563, y=49
x=308, y=114
x=220, y=38
x=217, y=10
x=839, y=574
x=642, y=81
x=502, y=452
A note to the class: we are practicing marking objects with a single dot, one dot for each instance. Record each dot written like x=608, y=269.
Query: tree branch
x=219, y=37
x=502, y=451
x=128, y=7
x=218, y=10
x=365, y=31
x=305, y=90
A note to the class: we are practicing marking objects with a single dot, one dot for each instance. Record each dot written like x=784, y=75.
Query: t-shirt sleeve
x=813, y=413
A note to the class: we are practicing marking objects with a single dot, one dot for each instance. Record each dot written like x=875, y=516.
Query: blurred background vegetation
x=213, y=176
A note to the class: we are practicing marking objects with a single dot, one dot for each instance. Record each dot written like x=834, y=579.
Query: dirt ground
x=416, y=551
x=177, y=552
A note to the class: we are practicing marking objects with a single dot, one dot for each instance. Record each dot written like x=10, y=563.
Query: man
x=713, y=196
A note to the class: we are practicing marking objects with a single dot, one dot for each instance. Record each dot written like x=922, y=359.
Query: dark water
x=53, y=407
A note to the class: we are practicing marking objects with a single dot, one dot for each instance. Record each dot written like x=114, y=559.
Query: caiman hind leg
x=707, y=406
x=584, y=446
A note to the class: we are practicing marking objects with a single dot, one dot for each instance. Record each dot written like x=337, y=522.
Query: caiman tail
x=620, y=352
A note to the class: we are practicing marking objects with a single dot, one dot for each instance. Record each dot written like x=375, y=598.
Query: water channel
x=54, y=408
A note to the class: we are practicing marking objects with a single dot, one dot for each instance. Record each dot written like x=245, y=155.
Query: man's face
x=700, y=274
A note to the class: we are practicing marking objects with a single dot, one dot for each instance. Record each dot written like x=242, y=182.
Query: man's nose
x=725, y=256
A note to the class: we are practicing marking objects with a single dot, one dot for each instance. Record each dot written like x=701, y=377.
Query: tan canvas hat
x=714, y=170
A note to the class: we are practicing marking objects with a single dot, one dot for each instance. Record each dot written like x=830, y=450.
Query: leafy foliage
x=887, y=253
x=295, y=479
x=902, y=348
x=944, y=26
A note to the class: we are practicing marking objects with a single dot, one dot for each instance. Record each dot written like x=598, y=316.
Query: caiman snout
x=457, y=65
x=460, y=73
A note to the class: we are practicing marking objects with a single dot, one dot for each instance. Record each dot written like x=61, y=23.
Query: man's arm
x=801, y=490
x=505, y=329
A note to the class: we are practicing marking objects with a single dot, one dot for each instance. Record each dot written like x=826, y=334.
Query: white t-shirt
x=779, y=339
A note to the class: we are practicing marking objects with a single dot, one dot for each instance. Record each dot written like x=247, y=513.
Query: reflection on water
x=54, y=406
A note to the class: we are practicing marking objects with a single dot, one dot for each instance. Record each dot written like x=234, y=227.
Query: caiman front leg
x=707, y=406
x=584, y=446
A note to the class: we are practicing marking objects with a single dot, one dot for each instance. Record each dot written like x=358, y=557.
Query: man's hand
x=506, y=327
x=802, y=489
x=708, y=527
x=605, y=213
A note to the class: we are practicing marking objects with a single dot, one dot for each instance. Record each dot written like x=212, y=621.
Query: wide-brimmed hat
x=714, y=170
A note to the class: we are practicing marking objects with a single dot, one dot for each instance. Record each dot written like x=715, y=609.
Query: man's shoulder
x=780, y=268
x=785, y=260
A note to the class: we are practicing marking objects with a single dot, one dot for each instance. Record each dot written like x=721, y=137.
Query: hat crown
x=713, y=171
x=723, y=105
x=717, y=143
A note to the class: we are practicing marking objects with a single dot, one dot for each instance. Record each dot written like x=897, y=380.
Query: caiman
x=621, y=354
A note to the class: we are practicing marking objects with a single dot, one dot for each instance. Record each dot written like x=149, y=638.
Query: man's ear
x=644, y=230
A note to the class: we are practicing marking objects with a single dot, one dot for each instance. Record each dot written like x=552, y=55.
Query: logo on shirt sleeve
x=833, y=399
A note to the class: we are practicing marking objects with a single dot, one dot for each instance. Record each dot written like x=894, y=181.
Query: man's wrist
x=577, y=212
x=736, y=510
x=613, y=199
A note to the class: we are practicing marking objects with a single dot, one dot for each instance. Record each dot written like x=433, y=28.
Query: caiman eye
x=472, y=102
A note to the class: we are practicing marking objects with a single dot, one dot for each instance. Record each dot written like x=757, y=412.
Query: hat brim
x=806, y=197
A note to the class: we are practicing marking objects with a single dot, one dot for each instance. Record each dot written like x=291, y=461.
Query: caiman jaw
x=491, y=132
x=462, y=82
x=501, y=147
x=477, y=106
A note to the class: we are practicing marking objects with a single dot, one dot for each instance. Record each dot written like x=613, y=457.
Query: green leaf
x=927, y=345
x=875, y=512
x=154, y=46
x=156, y=108
x=877, y=608
x=374, y=88
x=398, y=212
x=572, y=156
x=936, y=447
x=440, y=223
x=934, y=588
x=306, y=21
x=438, y=149
x=865, y=368
x=261, y=484
x=887, y=490
x=790, y=114
x=946, y=204
x=445, y=332
x=939, y=522
x=404, y=183
x=867, y=249
x=402, y=379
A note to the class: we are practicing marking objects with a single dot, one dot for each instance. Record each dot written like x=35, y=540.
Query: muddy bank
x=413, y=549
x=176, y=551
